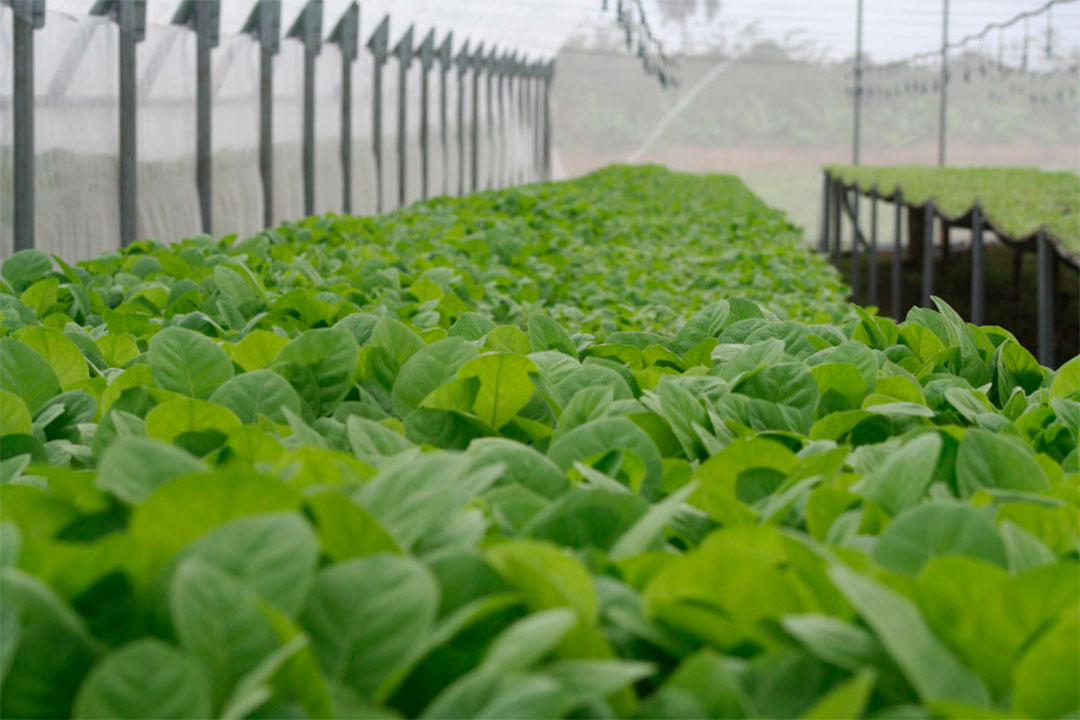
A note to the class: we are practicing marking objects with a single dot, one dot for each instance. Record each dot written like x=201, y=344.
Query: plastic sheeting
x=76, y=136
x=237, y=184
x=7, y=129
x=167, y=199
x=289, y=131
x=328, y=170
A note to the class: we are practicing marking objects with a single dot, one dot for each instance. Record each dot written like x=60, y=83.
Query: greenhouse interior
x=537, y=359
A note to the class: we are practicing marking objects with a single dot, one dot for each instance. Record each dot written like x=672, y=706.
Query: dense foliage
x=530, y=454
x=1017, y=200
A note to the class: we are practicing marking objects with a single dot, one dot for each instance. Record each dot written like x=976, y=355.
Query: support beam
x=308, y=30
x=346, y=35
x=445, y=63
x=897, y=276
x=872, y=289
x=29, y=15
x=403, y=51
x=426, y=55
x=491, y=69
x=978, y=267
x=549, y=74
x=131, y=17
x=826, y=205
x=204, y=17
x=264, y=24
x=378, y=44
x=838, y=223
x=928, y=255
x=855, y=233
x=1047, y=291
x=463, y=62
x=476, y=62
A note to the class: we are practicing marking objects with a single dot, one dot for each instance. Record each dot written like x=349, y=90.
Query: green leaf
x=932, y=670
x=903, y=479
x=505, y=385
x=847, y=700
x=426, y=370
x=1066, y=382
x=319, y=364
x=26, y=374
x=989, y=460
x=188, y=362
x=1046, y=681
x=60, y=352
x=926, y=531
x=255, y=393
x=132, y=468
x=546, y=334
x=346, y=529
x=367, y=616
x=144, y=679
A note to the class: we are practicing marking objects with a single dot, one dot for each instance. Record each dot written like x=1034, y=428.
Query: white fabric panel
x=76, y=142
x=237, y=185
x=289, y=131
x=168, y=201
x=413, y=161
x=328, y=172
x=389, y=173
x=7, y=179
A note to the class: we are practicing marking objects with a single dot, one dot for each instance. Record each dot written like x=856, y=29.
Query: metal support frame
x=855, y=259
x=898, y=226
x=204, y=16
x=1047, y=291
x=534, y=111
x=928, y=255
x=308, y=30
x=826, y=206
x=491, y=69
x=549, y=74
x=264, y=24
x=838, y=221
x=463, y=63
x=426, y=55
x=346, y=35
x=476, y=62
x=521, y=73
x=978, y=267
x=503, y=68
x=445, y=63
x=378, y=45
x=872, y=283
x=403, y=51
x=28, y=16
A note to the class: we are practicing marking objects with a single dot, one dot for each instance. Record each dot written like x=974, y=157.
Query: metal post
x=855, y=259
x=463, y=61
x=204, y=14
x=978, y=267
x=549, y=73
x=857, y=92
x=1047, y=283
x=28, y=15
x=872, y=256
x=476, y=62
x=522, y=72
x=404, y=53
x=538, y=137
x=500, y=174
x=346, y=35
x=491, y=69
x=265, y=24
x=426, y=54
x=942, y=119
x=378, y=45
x=131, y=17
x=928, y=254
x=445, y=61
x=823, y=237
x=308, y=29
x=897, y=291
x=838, y=221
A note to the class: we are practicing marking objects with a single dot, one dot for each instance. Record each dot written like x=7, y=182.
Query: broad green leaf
x=988, y=460
x=27, y=374
x=60, y=352
x=505, y=385
x=132, y=468
x=255, y=393
x=188, y=362
x=926, y=531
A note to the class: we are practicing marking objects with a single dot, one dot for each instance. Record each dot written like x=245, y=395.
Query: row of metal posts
x=839, y=200
x=203, y=16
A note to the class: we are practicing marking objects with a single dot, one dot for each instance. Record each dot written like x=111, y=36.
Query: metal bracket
x=130, y=15
x=346, y=34
x=264, y=24
x=442, y=53
x=463, y=59
x=403, y=51
x=31, y=12
x=185, y=15
x=308, y=27
x=425, y=53
x=379, y=41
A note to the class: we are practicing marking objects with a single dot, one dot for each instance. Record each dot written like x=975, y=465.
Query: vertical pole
x=872, y=257
x=266, y=128
x=462, y=61
x=489, y=66
x=477, y=64
x=523, y=118
x=309, y=130
x=346, y=134
x=549, y=73
x=424, y=80
x=928, y=254
x=823, y=237
x=404, y=53
x=898, y=222
x=978, y=267
x=855, y=259
x=444, y=142
x=944, y=98
x=538, y=131
x=500, y=171
x=377, y=44
x=204, y=30
x=838, y=221
x=858, y=91
x=1047, y=273
x=131, y=30
x=25, y=20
